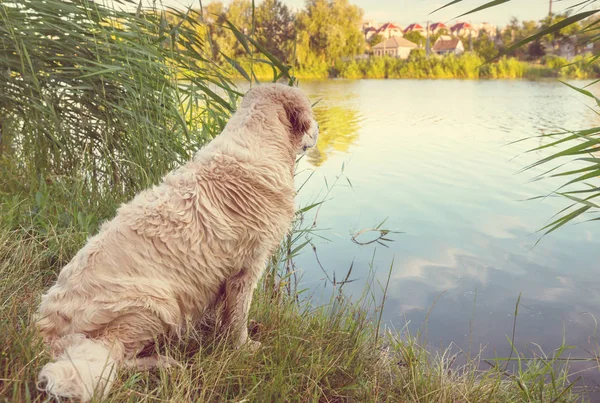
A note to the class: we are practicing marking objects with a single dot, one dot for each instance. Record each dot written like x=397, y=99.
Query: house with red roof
x=436, y=26
x=463, y=29
x=415, y=28
x=369, y=32
x=389, y=30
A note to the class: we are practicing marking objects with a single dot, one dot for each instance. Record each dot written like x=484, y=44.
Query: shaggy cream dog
x=204, y=234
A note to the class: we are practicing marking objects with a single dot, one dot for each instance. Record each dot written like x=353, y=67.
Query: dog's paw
x=252, y=345
x=168, y=362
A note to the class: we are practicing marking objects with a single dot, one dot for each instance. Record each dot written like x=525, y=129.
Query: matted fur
x=171, y=252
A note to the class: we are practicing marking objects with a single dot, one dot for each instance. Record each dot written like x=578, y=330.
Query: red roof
x=461, y=25
x=437, y=25
x=388, y=25
x=413, y=27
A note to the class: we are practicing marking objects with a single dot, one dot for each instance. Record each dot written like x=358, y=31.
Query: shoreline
x=468, y=66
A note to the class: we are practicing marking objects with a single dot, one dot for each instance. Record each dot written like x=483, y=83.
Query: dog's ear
x=298, y=113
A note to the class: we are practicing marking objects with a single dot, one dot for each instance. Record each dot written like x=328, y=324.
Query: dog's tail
x=85, y=369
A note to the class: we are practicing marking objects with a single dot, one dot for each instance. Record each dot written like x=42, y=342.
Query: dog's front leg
x=238, y=297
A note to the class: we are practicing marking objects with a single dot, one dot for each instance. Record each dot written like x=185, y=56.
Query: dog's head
x=292, y=107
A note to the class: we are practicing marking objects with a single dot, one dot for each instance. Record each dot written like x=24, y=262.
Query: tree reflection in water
x=338, y=130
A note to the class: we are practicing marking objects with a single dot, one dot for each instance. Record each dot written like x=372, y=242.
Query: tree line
x=318, y=36
x=312, y=38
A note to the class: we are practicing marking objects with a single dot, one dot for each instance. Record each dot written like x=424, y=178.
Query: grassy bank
x=467, y=66
x=335, y=352
x=92, y=112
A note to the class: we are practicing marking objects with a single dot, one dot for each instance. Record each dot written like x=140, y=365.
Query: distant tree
x=214, y=15
x=569, y=30
x=417, y=54
x=511, y=34
x=239, y=13
x=528, y=28
x=560, y=37
x=375, y=39
x=588, y=35
x=329, y=30
x=484, y=46
x=536, y=50
x=275, y=28
x=466, y=41
x=415, y=38
x=517, y=31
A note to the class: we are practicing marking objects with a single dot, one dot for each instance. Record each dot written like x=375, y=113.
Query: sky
x=405, y=12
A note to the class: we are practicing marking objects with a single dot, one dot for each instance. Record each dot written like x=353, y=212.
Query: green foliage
x=559, y=34
x=555, y=62
x=555, y=39
x=505, y=68
x=221, y=38
x=417, y=54
x=377, y=67
x=484, y=46
x=352, y=69
x=536, y=50
x=311, y=40
x=513, y=32
x=579, y=67
x=239, y=14
x=100, y=103
x=466, y=66
x=325, y=32
x=275, y=29
x=313, y=69
x=416, y=38
x=375, y=39
x=86, y=93
x=328, y=30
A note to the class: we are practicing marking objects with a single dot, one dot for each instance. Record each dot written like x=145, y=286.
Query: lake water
x=433, y=157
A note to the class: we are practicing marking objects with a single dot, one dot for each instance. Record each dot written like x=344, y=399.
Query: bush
x=554, y=62
x=351, y=70
x=376, y=67
x=466, y=66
